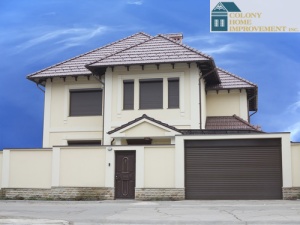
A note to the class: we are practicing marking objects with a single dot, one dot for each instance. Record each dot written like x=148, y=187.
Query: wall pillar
x=55, y=166
x=5, y=168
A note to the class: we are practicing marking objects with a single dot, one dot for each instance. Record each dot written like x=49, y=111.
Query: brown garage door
x=233, y=169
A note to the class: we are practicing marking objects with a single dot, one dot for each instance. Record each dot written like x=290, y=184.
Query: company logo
x=252, y=16
x=219, y=15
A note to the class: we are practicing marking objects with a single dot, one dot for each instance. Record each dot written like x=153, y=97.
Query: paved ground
x=136, y=212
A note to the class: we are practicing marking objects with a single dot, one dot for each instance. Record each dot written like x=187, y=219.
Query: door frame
x=115, y=167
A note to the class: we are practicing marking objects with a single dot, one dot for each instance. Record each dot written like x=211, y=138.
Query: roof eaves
x=235, y=76
x=60, y=63
x=246, y=123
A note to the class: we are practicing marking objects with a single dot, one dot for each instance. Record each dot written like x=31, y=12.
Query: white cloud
x=295, y=131
x=68, y=37
x=220, y=49
x=295, y=107
x=210, y=39
x=135, y=2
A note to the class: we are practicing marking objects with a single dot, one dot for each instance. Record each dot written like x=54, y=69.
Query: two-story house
x=147, y=117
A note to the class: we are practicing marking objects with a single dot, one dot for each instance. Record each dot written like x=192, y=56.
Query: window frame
x=129, y=81
x=70, y=114
x=174, y=79
x=161, y=98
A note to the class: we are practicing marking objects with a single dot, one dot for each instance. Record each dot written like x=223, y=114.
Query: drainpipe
x=103, y=102
x=200, y=99
x=249, y=117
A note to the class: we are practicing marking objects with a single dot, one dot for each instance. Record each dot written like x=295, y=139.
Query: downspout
x=249, y=117
x=103, y=102
x=37, y=85
x=200, y=100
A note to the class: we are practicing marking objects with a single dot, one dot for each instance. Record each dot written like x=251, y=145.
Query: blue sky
x=36, y=34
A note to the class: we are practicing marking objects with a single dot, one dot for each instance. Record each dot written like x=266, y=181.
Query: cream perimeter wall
x=81, y=167
x=59, y=127
x=159, y=167
x=1, y=168
x=30, y=168
x=296, y=164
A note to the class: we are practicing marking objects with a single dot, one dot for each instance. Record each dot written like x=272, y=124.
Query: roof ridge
x=186, y=46
x=245, y=122
x=240, y=78
x=78, y=56
x=125, y=49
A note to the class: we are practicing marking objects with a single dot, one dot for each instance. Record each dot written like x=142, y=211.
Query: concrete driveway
x=136, y=212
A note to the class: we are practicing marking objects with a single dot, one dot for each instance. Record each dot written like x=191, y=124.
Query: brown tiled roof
x=228, y=123
x=76, y=65
x=158, y=49
x=144, y=116
x=231, y=81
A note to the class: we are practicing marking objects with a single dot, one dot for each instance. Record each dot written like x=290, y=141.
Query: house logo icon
x=219, y=15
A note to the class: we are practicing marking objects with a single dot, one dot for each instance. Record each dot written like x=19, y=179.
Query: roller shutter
x=233, y=169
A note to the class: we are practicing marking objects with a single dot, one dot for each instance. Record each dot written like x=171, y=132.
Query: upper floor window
x=87, y=102
x=128, y=94
x=173, y=93
x=151, y=93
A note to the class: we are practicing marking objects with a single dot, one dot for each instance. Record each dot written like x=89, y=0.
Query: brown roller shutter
x=87, y=102
x=151, y=93
x=233, y=169
x=128, y=100
x=173, y=93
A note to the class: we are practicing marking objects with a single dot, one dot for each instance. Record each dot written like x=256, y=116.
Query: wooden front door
x=125, y=174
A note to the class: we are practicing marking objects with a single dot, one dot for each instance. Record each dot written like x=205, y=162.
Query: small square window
x=86, y=102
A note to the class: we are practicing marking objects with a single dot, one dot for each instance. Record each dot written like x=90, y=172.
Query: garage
x=233, y=169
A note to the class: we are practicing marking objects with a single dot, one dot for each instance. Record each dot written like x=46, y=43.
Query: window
x=216, y=22
x=173, y=93
x=128, y=88
x=86, y=102
x=145, y=141
x=222, y=23
x=84, y=142
x=151, y=94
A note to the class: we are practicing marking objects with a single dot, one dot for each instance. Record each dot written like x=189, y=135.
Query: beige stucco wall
x=81, y=167
x=30, y=169
x=159, y=167
x=61, y=138
x=296, y=164
x=1, y=168
x=57, y=122
x=177, y=117
x=223, y=103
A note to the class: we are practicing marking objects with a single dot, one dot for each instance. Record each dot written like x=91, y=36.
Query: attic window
x=145, y=141
x=87, y=102
x=84, y=142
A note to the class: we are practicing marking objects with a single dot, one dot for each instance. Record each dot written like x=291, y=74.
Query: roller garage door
x=233, y=169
